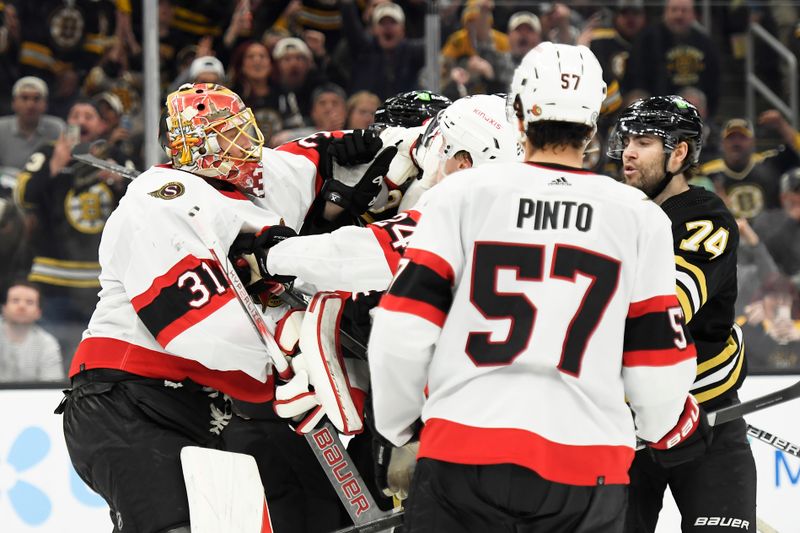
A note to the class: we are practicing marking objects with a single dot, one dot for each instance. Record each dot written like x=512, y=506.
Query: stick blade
x=225, y=492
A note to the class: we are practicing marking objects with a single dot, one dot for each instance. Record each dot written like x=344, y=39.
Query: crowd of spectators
x=71, y=81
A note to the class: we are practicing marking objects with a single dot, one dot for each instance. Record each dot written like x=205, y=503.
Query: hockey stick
x=324, y=440
x=125, y=172
x=773, y=440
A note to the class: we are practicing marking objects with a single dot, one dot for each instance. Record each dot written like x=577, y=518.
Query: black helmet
x=671, y=118
x=410, y=109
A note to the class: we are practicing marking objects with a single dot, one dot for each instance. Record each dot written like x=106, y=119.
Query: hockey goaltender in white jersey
x=143, y=310
x=569, y=272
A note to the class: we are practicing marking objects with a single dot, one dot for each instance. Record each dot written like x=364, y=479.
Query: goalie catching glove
x=324, y=383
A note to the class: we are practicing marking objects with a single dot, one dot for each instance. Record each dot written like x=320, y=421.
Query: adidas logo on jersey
x=560, y=181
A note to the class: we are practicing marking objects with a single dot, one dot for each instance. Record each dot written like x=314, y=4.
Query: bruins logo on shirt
x=171, y=190
x=66, y=26
x=746, y=201
x=685, y=64
x=88, y=209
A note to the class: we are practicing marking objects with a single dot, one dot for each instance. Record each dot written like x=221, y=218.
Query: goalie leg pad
x=319, y=342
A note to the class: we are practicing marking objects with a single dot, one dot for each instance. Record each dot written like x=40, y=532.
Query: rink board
x=40, y=492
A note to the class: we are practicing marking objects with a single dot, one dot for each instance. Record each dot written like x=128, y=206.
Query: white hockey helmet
x=557, y=82
x=478, y=125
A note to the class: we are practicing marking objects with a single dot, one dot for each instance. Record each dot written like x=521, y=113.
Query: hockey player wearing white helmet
x=472, y=131
x=169, y=345
x=531, y=301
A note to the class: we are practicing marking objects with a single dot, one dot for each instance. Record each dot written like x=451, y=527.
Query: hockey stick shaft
x=726, y=414
x=125, y=172
x=773, y=440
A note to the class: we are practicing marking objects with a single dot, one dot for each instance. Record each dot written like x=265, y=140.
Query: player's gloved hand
x=688, y=440
x=402, y=463
x=355, y=147
x=362, y=195
x=263, y=241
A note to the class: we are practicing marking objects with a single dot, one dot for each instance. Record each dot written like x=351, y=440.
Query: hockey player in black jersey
x=658, y=141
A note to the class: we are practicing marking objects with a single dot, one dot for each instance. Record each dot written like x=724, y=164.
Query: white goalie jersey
x=165, y=309
x=531, y=302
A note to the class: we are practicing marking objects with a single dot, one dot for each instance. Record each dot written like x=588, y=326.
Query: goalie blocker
x=324, y=383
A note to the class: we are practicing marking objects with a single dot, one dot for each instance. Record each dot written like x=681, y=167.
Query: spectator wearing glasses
x=29, y=126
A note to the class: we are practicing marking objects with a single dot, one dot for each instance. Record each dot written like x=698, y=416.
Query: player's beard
x=648, y=175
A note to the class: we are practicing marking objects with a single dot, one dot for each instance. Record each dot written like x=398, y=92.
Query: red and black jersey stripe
x=423, y=287
x=652, y=337
x=393, y=235
x=182, y=297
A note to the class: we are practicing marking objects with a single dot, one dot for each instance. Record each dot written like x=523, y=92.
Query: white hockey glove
x=325, y=384
x=402, y=167
x=401, y=470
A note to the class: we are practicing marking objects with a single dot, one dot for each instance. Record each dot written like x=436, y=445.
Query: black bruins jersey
x=706, y=237
x=756, y=187
x=72, y=209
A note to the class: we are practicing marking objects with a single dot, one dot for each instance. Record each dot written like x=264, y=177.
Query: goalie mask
x=207, y=130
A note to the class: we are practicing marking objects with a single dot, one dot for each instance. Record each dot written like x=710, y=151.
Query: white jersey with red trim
x=353, y=259
x=532, y=301
x=165, y=309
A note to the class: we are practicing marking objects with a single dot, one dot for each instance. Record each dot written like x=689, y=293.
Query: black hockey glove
x=266, y=239
x=684, y=449
x=355, y=148
x=358, y=198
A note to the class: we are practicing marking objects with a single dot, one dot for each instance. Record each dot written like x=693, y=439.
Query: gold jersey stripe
x=729, y=383
x=61, y=282
x=729, y=350
x=698, y=275
x=64, y=263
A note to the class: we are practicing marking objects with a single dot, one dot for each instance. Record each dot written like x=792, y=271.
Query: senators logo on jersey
x=169, y=191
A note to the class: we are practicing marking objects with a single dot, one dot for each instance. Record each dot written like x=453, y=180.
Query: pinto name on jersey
x=554, y=214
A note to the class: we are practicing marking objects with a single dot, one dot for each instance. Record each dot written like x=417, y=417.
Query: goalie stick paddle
x=347, y=482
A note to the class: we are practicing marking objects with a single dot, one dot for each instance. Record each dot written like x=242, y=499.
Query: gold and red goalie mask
x=208, y=131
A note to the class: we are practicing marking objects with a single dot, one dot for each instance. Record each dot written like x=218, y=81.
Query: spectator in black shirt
x=674, y=53
x=385, y=61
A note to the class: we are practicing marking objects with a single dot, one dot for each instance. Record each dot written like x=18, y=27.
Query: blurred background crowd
x=71, y=81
